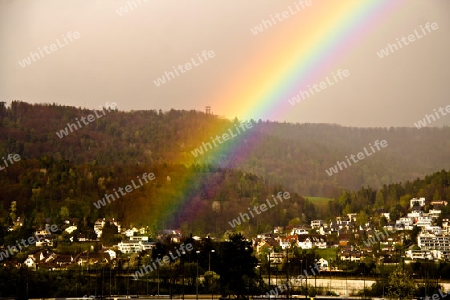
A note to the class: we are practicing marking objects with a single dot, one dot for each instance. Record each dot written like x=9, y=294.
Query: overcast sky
x=116, y=58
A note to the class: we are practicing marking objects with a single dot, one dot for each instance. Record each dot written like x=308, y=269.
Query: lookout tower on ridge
x=208, y=110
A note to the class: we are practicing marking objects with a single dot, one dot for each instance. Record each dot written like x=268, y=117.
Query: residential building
x=433, y=242
x=416, y=202
x=316, y=224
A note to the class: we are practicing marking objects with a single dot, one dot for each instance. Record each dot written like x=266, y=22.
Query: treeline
x=200, y=199
x=394, y=198
x=295, y=155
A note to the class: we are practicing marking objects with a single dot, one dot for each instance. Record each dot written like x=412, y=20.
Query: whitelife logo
x=411, y=38
x=360, y=156
x=265, y=24
x=128, y=189
x=11, y=158
x=124, y=9
x=53, y=47
x=263, y=207
x=322, y=85
x=31, y=240
x=161, y=262
x=90, y=118
x=187, y=66
x=225, y=136
x=423, y=122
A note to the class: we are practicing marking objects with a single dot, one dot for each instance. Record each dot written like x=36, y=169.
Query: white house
x=434, y=213
x=286, y=242
x=71, y=229
x=139, y=238
x=415, y=201
x=323, y=264
x=414, y=214
x=424, y=221
x=315, y=224
x=30, y=262
x=112, y=254
x=298, y=230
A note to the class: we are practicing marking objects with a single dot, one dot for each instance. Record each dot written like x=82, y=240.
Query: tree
x=237, y=267
x=294, y=222
x=64, y=213
x=109, y=232
x=212, y=281
x=400, y=285
x=379, y=199
x=12, y=214
x=361, y=218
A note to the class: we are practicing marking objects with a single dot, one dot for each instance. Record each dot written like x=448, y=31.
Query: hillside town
x=421, y=234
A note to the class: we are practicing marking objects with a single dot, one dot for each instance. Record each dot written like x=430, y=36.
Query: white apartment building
x=433, y=242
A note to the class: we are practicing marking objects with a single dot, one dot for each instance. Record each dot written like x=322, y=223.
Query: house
x=311, y=241
x=278, y=229
x=323, y=265
x=299, y=230
x=442, y=202
x=30, y=262
x=139, y=238
x=405, y=221
x=414, y=215
x=71, y=229
x=316, y=224
x=39, y=257
x=288, y=241
x=344, y=239
x=416, y=202
x=352, y=216
x=386, y=215
x=445, y=226
x=436, y=230
x=434, y=213
x=111, y=253
x=63, y=261
x=424, y=221
x=350, y=255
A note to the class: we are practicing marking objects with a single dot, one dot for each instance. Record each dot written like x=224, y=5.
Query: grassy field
x=321, y=204
x=319, y=200
x=328, y=254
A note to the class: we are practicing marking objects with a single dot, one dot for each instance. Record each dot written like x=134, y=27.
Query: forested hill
x=294, y=155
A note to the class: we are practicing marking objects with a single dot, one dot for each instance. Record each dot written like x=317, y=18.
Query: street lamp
x=157, y=271
x=182, y=266
x=170, y=278
x=315, y=277
x=301, y=272
x=364, y=286
x=212, y=276
x=196, y=278
x=306, y=292
x=269, y=268
x=209, y=261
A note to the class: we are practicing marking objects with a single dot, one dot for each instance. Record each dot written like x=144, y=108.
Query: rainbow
x=326, y=33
